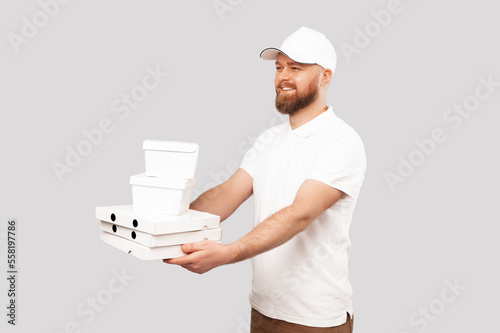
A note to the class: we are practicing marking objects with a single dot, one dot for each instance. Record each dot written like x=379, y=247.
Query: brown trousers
x=262, y=324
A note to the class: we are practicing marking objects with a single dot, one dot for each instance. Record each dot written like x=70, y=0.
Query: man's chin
x=285, y=109
x=285, y=113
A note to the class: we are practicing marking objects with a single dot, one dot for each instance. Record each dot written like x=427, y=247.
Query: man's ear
x=326, y=76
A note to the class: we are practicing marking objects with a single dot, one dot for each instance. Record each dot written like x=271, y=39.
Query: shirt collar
x=314, y=125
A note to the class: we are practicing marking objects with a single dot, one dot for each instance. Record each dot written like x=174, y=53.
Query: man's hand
x=222, y=201
x=203, y=256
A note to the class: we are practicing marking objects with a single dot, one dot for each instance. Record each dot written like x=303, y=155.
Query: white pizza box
x=161, y=240
x=161, y=195
x=170, y=159
x=141, y=251
x=157, y=224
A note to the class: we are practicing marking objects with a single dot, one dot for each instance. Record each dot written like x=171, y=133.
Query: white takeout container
x=161, y=195
x=141, y=251
x=157, y=224
x=170, y=159
x=146, y=239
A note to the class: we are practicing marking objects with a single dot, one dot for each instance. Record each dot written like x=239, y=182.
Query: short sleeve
x=341, y=164
x=249, y=161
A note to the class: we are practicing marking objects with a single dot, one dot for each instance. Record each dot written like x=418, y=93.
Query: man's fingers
x=201, y=256
x=192, y=247
x=186, y=262
x=183, y=260
x=189, y=249
x=175, y=261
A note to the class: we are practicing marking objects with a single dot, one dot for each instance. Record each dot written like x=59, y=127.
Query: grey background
x=439, y=225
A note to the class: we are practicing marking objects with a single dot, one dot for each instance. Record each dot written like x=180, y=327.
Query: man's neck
x=306, y=114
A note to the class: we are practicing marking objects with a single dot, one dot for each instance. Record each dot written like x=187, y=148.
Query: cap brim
x=271, y=53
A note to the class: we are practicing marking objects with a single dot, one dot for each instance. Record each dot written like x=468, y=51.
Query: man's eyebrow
x=289, y=63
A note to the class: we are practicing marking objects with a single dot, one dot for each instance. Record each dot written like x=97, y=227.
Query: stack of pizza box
x=159, y=221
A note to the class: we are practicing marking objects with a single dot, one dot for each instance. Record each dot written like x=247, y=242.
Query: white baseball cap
x=306, y=46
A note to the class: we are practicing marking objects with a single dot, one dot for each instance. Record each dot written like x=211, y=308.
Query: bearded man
x=305, y=176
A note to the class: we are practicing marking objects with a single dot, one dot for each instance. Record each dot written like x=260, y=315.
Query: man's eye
x=295, y=68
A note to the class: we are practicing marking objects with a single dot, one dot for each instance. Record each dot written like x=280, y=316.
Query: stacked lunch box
x=159, y=221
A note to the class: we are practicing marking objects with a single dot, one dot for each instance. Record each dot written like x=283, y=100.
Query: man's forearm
x=210, y=202
x=223, y=200
x=272, y=232
x=311, y=200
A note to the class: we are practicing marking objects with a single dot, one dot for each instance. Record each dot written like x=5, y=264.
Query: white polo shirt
x=305, y=280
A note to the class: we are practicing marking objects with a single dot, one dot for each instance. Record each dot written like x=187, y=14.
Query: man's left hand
x=202, y=256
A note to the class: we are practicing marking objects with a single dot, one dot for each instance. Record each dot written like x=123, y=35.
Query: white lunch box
x=170, y=159
x=161, y=195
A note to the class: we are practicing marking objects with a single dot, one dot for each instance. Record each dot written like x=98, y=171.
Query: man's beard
x=291, y=104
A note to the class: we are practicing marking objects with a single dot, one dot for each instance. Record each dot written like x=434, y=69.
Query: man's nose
x=284, y=75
